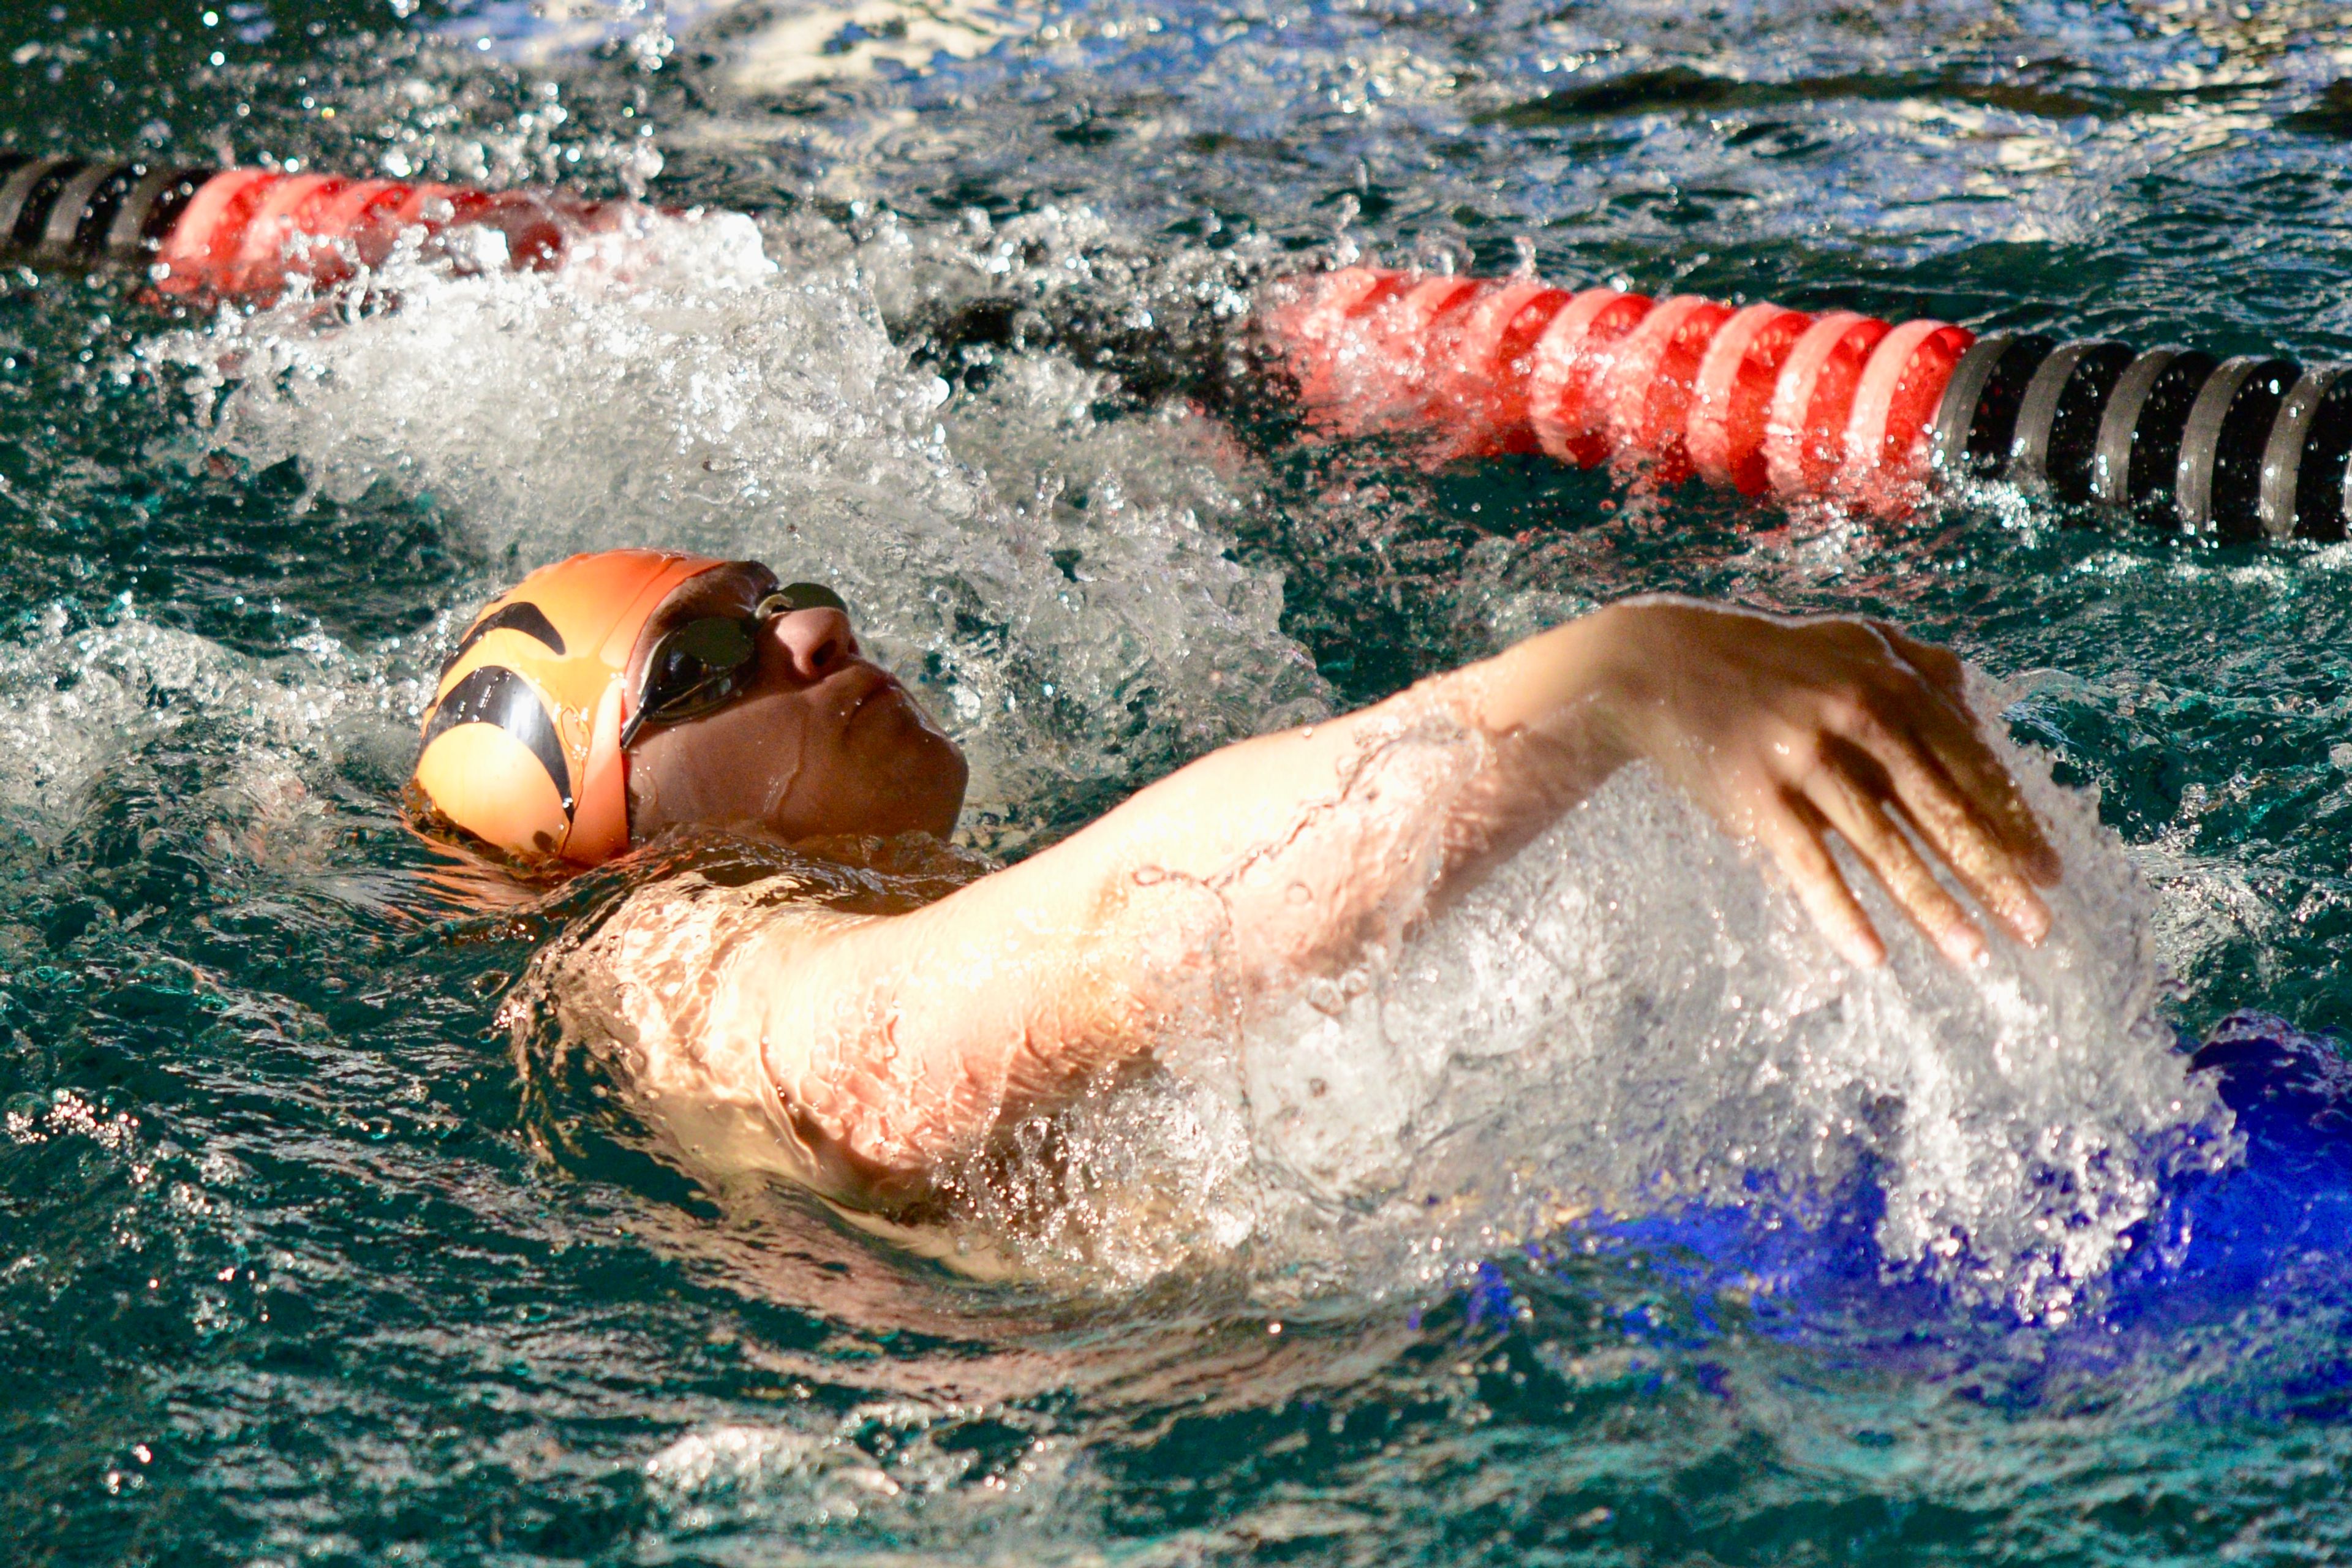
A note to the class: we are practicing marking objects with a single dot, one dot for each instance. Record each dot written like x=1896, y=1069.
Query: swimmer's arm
x=897, y=1042
x=904, y=1039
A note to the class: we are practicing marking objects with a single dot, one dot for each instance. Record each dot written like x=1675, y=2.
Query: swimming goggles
x=704, y=664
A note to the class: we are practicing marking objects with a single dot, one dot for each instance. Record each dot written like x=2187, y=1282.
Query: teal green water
x=299, y=1263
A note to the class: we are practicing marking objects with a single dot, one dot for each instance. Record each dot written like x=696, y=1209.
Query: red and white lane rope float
x=1769, y=400
x=1759, y=398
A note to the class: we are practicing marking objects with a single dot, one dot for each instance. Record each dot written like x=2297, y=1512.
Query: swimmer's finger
x=1940, y=666
x=1950, y=728
x=1859, y=817
x=1951, y=736
x=1959, y=837
x=1791, y=830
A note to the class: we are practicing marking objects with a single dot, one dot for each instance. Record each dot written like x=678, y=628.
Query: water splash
x=88, y=709
x=1058, y=590
x=1631, y=1018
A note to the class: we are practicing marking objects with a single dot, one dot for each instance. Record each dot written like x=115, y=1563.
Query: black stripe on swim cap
x=522, y=615
x=497, y=695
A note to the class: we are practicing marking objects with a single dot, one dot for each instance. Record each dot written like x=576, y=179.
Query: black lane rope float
x=1762, y=399
x=206, y=233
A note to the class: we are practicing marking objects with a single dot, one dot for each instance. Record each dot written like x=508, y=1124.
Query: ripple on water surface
x=313, y=1269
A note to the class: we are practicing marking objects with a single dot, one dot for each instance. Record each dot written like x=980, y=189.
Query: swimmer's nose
x=814, y=642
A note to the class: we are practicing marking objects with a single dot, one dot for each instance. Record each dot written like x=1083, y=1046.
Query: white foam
x=917, y=1495
x=79, y=706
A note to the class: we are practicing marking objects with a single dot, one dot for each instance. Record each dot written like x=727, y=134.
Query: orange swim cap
x=522, y=744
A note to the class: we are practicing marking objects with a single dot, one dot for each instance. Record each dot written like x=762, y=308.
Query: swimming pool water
x=303, y=1260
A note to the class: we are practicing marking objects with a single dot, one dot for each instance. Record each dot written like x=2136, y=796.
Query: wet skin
x=1785, y=731
x=825, y=741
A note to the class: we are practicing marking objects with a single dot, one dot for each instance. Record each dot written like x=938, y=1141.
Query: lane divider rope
x=1760, y=398
x=246, y=234
x=1767, y=400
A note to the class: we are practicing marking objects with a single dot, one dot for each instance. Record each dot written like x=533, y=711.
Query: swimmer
x=611, y=698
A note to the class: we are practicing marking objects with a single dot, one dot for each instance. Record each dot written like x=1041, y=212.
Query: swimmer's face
x=822, y=741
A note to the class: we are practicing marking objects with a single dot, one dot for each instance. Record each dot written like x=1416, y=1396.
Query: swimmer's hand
x=1787, y=729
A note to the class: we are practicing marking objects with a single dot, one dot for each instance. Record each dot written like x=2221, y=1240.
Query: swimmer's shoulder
x=748, y=996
